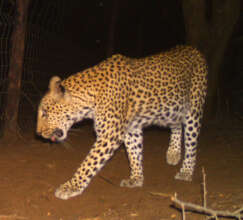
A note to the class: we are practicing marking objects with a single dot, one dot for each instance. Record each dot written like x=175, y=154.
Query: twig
x=3, y=217
x=165, y=195
x=107, y=180
x=240, y=210
x=204, y=188
x=203, y=209
x=208, y=211
x=183, y=213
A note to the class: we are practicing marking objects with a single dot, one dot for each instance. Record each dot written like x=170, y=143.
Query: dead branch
x=208, y=211
x=3, y=217
x=204, y=188
x=203, y=209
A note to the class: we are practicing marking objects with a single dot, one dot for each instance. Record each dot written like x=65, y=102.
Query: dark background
x=162, y=23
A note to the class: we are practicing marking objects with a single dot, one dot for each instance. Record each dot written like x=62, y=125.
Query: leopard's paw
x=173, y=157
x=132, y=182
x=183, y=175
x=67, y=191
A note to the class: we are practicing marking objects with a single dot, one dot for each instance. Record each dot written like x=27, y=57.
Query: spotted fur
x=123, y=95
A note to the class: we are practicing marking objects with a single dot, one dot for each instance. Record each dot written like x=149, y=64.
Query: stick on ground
x=186, y=206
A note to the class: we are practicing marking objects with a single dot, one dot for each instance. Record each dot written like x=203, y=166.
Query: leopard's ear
x=55, y=87
x=54, y=84
x=57, y=91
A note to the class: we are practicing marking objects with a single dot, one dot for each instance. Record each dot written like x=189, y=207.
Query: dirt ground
x=31, y=170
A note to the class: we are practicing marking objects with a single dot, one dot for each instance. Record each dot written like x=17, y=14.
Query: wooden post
x=15, y=69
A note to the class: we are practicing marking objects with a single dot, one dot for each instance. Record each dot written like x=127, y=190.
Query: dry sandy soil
x=31, y=170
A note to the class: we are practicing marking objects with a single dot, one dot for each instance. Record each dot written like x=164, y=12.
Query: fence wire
x=44, y=18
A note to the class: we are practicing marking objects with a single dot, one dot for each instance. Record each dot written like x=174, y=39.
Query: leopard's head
x=57, y=112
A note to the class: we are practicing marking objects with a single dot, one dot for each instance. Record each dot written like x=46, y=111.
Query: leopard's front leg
x=102, y=151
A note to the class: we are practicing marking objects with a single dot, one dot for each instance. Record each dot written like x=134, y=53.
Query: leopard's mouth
x=53, y=139
x=57, y=135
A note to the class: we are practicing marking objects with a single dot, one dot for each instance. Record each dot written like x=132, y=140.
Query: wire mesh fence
x=44, y=18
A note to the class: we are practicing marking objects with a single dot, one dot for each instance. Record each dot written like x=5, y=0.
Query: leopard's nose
x=58, y=132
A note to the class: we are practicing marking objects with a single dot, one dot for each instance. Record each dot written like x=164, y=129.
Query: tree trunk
x=15, y=70
x=209, y=25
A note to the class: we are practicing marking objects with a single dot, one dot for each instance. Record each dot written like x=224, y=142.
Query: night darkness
x=162, y=25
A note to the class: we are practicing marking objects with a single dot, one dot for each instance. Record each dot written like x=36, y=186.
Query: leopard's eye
x=44, y=113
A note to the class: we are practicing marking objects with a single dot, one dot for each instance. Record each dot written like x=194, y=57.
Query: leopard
x=123, y=95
